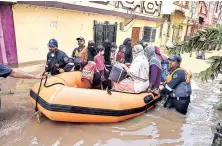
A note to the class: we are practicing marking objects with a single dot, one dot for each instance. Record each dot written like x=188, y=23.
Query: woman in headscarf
x=155, y=69
x=138, y=80
x=107, y=45
x=91, y=50
x=128, y=52
x=157, y=51
x=164, y=62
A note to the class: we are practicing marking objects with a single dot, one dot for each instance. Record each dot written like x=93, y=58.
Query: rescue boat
x=67, y=98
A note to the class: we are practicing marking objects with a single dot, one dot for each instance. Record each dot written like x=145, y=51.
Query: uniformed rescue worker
x=5, y=72
x=57, y=61
x=178, y=86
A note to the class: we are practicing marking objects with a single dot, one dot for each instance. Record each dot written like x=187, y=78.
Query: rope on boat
x=37, y=112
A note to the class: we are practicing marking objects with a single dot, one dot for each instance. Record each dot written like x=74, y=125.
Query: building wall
x=35, y=25
x=177, y=18
x=182, y=15
x=134, y=7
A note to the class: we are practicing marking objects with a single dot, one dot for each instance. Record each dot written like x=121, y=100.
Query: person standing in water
x=178, y=87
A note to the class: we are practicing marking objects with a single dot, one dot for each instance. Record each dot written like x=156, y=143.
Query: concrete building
x=180, y=23
x=38, y=21
x=27, y=26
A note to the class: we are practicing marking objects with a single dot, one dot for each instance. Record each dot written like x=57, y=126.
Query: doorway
x=135, y=35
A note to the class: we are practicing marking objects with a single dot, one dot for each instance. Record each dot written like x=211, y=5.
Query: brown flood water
x=19, y=127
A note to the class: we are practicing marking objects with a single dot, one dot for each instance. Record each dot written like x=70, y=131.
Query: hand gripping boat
x=65, y=98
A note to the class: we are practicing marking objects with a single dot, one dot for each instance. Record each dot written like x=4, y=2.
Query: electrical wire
x=134, y=18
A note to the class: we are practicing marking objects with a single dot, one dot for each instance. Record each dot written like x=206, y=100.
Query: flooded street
x=18, y=124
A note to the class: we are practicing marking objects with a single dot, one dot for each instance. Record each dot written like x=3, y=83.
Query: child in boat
x=100, y=66
x=121, y=54
x=113, y=53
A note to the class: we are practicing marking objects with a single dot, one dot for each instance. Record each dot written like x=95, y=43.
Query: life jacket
x=184, y=88
x=79, y=54
x=88, y=71
x=80, y=57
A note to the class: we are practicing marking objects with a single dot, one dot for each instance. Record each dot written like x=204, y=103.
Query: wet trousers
x=180, y=105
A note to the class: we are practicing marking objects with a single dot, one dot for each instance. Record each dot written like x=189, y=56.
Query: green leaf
x=207, y=39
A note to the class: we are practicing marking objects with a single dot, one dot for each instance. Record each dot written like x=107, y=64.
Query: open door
x=135, y=35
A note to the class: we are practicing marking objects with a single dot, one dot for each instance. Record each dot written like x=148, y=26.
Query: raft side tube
x=70, y=104
x=70, y=113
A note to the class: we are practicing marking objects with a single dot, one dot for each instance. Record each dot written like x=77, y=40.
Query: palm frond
x=209, y=39
x=214, y=70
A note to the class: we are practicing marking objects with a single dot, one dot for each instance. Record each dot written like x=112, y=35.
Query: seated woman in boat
x=155, y=69
x=138, y=80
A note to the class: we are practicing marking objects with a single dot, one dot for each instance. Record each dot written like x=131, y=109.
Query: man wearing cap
x=178, y=86
x=57, y=61
x=80, y=54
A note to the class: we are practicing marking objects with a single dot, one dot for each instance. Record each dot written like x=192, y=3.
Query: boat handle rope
x=37, y=112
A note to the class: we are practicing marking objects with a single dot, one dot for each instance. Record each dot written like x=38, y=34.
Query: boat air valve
x=148, y=99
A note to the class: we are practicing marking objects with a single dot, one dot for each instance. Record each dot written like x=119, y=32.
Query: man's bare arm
x=24, y=75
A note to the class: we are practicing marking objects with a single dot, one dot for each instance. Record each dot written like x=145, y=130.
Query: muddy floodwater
x=19, y=127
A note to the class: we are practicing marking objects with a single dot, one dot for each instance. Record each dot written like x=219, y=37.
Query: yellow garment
x=79, y=54
x=170, y=76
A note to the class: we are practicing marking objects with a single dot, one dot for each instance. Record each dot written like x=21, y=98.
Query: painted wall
x=192, y=10
x=34, y=26
x=152, y=8
x=9, y=33
x=177, y=18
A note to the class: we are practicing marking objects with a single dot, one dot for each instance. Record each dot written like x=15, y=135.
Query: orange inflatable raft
x=70, y=101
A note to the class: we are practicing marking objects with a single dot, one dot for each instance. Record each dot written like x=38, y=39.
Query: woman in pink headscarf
x=162, y=57
x=164, y=63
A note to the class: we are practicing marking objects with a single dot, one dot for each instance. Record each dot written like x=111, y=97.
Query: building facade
x=27, y=26
x=37, y=22
x=8, y=53
x=181, y=22
x=189, y=16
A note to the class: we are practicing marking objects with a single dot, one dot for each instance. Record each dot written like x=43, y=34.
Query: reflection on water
x=18, y=125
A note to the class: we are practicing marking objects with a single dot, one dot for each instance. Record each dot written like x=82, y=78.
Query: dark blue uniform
x=178, y=92
x=177, y=78
x=58, y=61
x=5, y=71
